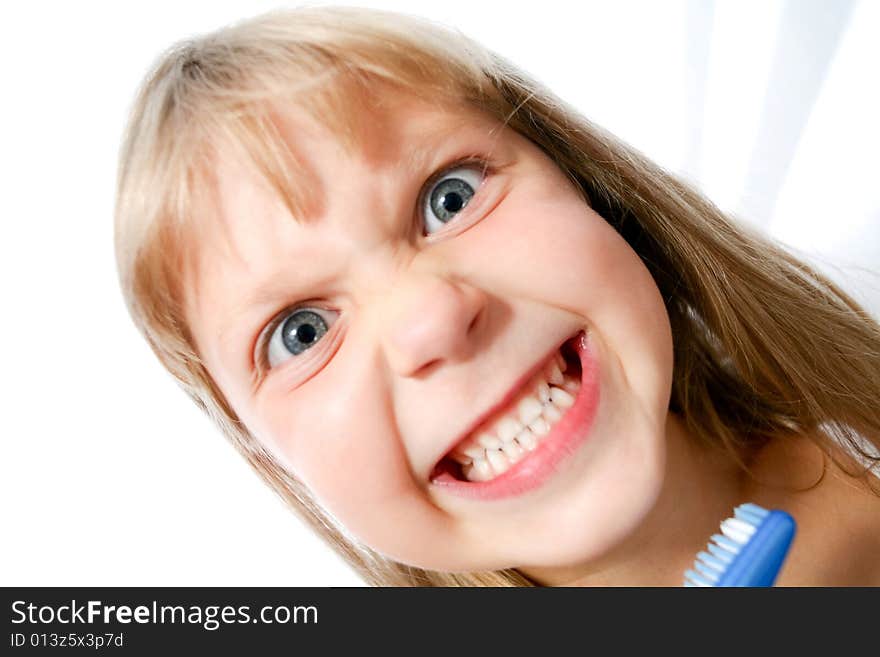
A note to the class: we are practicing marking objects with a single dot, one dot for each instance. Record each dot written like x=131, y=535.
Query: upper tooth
x=529, y=408
x=555, y=376
x=543, y=392
x=561, y=397
x=457, y=456
x=474, y=451
x=561, y=360
x=507, y=429
x=490, y=441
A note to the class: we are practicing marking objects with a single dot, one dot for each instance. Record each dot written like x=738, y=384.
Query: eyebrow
x=301, y=193
x=265, y=297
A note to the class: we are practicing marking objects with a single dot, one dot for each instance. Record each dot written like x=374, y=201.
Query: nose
x=432, y=318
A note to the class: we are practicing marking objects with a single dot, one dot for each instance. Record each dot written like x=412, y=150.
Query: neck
x=701, y=487
x=837, y=515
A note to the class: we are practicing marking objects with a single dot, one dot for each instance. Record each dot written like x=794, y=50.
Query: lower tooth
x=551, y=413
x=497, y=460
x=527, y=438
x=480, y=471
x=539, y=427
x=512, y=450
x=561, y=397
x=492, y=462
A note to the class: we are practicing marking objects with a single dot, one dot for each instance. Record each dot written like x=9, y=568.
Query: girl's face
x=361, y=343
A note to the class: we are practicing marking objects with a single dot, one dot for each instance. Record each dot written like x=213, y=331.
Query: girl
x=469, y=336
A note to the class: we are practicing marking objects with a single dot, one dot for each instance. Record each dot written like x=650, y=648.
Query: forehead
x=295, y=160
x=378, y=125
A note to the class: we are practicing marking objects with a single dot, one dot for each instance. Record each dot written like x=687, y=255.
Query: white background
x=110, y=476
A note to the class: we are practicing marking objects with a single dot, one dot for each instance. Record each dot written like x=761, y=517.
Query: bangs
x=230, y=91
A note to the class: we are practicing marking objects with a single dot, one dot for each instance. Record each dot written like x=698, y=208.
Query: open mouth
x=521, y=427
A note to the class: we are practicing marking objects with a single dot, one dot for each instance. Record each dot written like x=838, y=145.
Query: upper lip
x=512, y=392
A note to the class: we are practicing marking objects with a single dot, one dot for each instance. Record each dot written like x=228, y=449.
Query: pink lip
x=564, y=439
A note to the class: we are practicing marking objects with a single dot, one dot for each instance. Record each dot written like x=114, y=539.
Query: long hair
x=765, y=347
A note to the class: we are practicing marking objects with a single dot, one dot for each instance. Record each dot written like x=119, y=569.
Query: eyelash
x=474, y=159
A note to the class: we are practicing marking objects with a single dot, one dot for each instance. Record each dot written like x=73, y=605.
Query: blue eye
x=450, y=194
x=295, y=333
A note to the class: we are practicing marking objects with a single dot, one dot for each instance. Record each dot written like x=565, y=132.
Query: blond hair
x=765, y=346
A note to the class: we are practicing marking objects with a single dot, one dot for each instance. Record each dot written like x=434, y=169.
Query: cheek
x=333, y=434
x=555, y=250
x=324, y=436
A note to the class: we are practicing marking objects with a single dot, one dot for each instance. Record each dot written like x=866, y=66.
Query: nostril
x=476, y=320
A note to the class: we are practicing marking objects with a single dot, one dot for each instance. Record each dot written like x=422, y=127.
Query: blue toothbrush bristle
x=748, y=552
x=725, y=543
x=711, y=561
x=720, y=553
x=695, y=579
x=750, y=513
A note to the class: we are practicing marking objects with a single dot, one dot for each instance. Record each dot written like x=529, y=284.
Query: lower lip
x=564, y=439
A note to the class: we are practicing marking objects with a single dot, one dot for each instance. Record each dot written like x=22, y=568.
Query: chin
x=603, y=515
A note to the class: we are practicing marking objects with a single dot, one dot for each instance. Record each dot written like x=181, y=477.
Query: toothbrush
x=749, y=551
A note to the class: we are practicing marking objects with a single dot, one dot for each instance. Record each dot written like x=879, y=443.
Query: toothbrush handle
x=761, y=559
